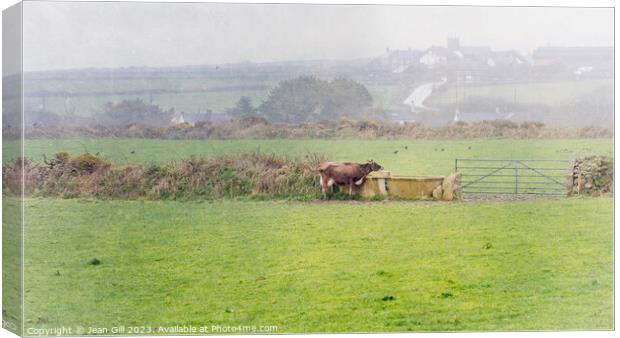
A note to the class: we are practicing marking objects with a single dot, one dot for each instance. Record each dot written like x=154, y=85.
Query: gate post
x=516, y=178
x=516, y=181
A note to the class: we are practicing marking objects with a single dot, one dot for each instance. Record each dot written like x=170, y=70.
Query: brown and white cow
x=344, y=173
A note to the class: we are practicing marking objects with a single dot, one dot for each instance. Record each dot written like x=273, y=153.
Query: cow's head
x=374, y=166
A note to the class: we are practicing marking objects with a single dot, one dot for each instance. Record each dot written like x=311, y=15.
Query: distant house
x=191, y=118
x=473, y=60
x=470, y=64
x=178, y=118
x=434, y=57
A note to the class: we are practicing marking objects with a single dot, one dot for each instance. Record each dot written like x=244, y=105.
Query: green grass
x=318, y=267
x=321, y=267
x=11, y=265
x=422, y=157
x=548, y=93
x=215, y=93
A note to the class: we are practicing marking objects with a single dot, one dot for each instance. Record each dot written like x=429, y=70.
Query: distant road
x=421, y=93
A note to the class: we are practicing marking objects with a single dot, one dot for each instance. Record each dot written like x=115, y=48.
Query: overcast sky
x=76, y=35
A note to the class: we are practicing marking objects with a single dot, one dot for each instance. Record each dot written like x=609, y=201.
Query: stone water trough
x=383, y=183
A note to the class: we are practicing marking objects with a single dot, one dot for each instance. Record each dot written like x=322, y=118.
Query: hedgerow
x=231, y=176
x=259, y=128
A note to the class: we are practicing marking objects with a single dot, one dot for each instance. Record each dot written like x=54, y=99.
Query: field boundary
x=514, y=176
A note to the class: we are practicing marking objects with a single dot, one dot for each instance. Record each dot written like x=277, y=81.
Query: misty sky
x=77, y=35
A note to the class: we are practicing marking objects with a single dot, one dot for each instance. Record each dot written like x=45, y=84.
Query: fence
x=534, y=177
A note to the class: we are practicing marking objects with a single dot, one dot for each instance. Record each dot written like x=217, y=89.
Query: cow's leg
x=351, y=189
x=324, y=187
x=330, y=187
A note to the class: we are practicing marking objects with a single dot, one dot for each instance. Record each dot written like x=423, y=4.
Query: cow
x=344, y=173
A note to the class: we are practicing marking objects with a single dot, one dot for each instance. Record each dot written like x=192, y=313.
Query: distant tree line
x=308, y=99
x=135, y=111
x=303, y=99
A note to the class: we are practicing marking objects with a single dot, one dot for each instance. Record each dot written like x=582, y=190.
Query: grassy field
x=548, y=93
x=422, y=157
x=317, y=267
x=197, y=93
x=192, y=94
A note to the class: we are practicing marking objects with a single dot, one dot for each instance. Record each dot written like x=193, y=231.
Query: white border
x=538, y=3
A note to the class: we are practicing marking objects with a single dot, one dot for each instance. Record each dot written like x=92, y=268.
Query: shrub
x=134, y=111
x=86, y=163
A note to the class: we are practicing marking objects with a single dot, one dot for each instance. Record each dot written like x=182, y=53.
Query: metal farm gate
x=534, y=177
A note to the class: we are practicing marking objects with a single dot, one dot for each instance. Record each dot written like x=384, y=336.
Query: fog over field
x=191, y=62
